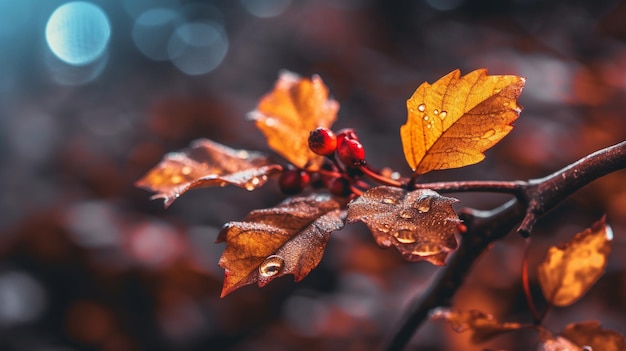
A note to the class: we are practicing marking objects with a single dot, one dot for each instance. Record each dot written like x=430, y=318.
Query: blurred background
x=94, y=93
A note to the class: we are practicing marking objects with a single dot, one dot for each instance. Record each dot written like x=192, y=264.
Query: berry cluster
x=345, y=159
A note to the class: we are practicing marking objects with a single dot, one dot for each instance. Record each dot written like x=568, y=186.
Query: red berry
x=339, y=187
x=322, y=141
x=351, y=152
x=346, y=133
x=292, y=181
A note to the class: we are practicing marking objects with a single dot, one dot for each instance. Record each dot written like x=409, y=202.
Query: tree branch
x=533, y=199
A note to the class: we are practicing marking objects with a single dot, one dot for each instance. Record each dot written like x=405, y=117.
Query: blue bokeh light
x=78, y=32
x=198, y=47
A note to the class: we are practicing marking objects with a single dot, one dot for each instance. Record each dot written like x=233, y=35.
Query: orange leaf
x=421, y=224
x=290, y=112
x=206, y=163
x=287, y=239
x=484, y=326
x=453, y=121
x=590, y=333
x=570, y=270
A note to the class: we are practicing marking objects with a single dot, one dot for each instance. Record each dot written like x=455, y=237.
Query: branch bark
x=534, y=198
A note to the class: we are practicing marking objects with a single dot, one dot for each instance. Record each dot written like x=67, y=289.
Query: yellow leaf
x=570, y=270
x=453, y=121
x=290, y=112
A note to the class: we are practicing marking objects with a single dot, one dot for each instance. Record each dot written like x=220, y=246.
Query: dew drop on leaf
x=436, y=112
x=271, y=266
x=426, y=118
x=423, y=208
x=389, y=200
x=443, y=114
x=406, y=214
x=421, y=107
x=405, y=236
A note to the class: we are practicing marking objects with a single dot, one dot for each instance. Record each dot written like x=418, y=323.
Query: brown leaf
x=453, y=121
x=290, y=112
x=483, y=326
x=206, y=163
x=287, y=239
x=590, y=333
x=570, y=270
x=421, y=224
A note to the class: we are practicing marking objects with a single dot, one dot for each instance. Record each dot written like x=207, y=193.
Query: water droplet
x=186, y=170
x=405, y=236
x=411, y=109
x=252, y=184
x=421, y=107
x=426, y=118
x=443, y=114
x=436, y=112
x=423, y=208
x=384, y=228
x=271, y=266
x=489, y=133
x=429, y=126
x=406, y=214
x=389, y=200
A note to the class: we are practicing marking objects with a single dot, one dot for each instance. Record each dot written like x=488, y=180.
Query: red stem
x=529, y=298
x=379, y=177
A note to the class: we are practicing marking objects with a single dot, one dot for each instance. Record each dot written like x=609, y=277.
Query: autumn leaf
x=206, y=163
x=453, y=121
x=287, y=239
x=290, y=112
x=483, y=326
x=570, y=270
x=591, y=333
x=421, y=224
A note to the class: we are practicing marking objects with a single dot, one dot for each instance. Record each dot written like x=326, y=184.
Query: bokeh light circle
x=78, y=32
x=265, y=8
x=198, y=47
x=152, y=31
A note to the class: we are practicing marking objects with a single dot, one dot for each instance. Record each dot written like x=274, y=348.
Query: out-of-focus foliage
x=90, y=263
x=571, y=269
